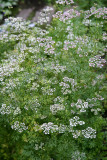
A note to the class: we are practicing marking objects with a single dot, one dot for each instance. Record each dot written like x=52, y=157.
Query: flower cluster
x=10, y=109
x=80, y=106
x=37, y=59
x=94, y=103
x=95, y=111
x=67, y=15
x=47, y=44
x=33, y=104
x=15, y=24
x=59, y=43
x=49, y=127
x=56, y=107
x=20, y=127
x=39, y=146
x=64, y=2
x=90, y=103
x=48, y=91
x=34, y=86
x=104, y=36
x=76, y=42
x=44, y=17
x=98, y=79
x=78, y=155
x=57, y=68
x=74, y=121
x=68, y=44
x=62, y=128
x=65, y=85
x=9, y=85
x=41, y=32
x=5, y=109
x=76, y=133
x=58, y=99
x=89, y=133
x=94, y=99
x=10, y=65
x=99, y=13
x=17, y=111
x=97, y=61
x=54, y=67
x=89, y=22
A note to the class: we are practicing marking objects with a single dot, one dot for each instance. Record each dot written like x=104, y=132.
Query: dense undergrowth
x=53, y=87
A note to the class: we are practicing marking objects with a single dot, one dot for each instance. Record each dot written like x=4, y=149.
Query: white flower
x=20, y=127
x=17, y=111
x=49, y=127
x=89, y=133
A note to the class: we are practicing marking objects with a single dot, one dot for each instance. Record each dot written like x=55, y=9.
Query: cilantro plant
x=53, y=87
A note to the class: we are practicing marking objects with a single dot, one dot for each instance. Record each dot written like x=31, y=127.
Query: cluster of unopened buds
x=98, y=79
x=78, y=155
x=34, y=86
x=39, y=146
